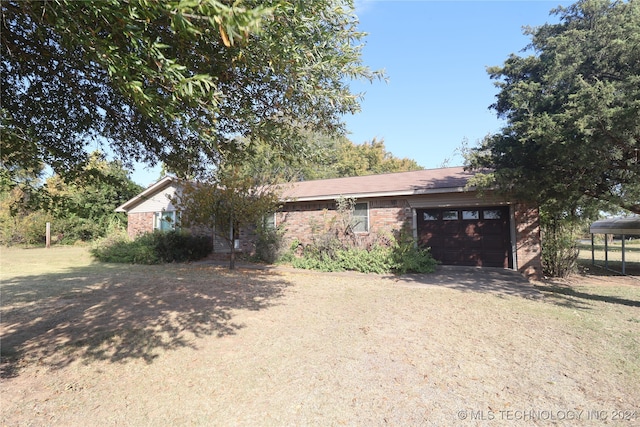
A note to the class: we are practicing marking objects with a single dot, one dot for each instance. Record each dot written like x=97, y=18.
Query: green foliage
x=560, y=235
x=270, y=245
x=118, y=248
x=73, y=229
x=368, y=158
x=376, y=259
x=30, y=229
x=172, y=81
x=572, y=133
x=324, y=156
x=152, y=248
x=79, y=209
x=229, y=199
x=335, y=247
x=408, y=257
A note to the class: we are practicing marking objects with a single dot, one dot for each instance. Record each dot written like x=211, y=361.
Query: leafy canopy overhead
x=572, y=112
x=232, y=198
x=172, y=81
x=325, y=157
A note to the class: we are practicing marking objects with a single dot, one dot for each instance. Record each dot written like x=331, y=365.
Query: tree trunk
x=232, y=258
x=232, y=242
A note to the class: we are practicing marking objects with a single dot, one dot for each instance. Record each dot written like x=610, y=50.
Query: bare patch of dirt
x=198, y=345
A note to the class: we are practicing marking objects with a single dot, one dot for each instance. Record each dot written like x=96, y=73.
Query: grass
x=104, y=344
x=15, y=261
x=632, y=250
x=612, y=258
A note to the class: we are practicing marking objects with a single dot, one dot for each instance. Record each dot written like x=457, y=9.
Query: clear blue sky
x=435, y=55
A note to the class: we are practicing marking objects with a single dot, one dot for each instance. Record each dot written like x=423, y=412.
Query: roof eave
x=152, y=189
x=420, y=192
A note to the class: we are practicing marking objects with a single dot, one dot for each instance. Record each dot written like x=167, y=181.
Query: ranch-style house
x=460, y=226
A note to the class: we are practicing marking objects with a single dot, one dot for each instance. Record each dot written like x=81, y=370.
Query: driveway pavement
x=476, y=279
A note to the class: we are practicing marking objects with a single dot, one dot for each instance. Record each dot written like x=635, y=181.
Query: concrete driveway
x=475, y=279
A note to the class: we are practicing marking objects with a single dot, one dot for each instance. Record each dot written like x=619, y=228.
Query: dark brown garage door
x=474, y=236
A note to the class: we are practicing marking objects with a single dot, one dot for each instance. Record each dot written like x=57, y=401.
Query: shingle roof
x=445, y=180
x=392, y=184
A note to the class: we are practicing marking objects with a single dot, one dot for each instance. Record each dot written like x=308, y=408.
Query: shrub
x=408, y=257
x=377, y=259
x=152, y=248
x=73, y=229
x=560, y=247
x=401, y=258
x=31, y=229
x=270, y=246
x=336, y=247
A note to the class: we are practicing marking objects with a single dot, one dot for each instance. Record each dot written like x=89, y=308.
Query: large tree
x=171, y=81
x=79, y=208
x=232, y=198
x=324, y=156
x=104, y=184
x=572, y=111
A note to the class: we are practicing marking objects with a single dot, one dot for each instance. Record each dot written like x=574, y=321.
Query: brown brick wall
x=528, y=243
x=301, y=220
x=389, y=215
x=139, y=223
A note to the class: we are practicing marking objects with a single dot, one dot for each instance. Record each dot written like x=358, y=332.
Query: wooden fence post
x=48, y=237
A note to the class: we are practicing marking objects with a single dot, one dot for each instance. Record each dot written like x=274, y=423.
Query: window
x=164, y=221
x=430, y=215
x=492, y=214
x=360, y=217
x=470, y=214
x=450, y=215
x=269, y=221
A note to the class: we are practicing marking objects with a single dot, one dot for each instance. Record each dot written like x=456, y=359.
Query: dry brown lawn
x=194, y=344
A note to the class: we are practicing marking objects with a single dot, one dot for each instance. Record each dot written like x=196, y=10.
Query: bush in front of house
x=152, y=248
x=409, y=257
x=400, y=256
x=270, y=246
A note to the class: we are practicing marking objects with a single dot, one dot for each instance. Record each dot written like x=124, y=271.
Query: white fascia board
x=152, y=189
x=380, y=194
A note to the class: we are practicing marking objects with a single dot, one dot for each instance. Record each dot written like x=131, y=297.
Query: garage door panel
x=471, y=259
x=493, y=227
x=494, y=243
x=477, y=237
x=450, y=227
x=449, y=257
x=451, y=242
x=495, y=259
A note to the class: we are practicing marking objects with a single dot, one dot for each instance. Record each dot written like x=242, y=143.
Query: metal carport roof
x=628, y=225
x=621, y=226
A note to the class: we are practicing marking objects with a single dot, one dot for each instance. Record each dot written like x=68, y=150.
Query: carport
x=615, y=226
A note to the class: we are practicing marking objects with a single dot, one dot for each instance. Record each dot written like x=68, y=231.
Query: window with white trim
x=360, y=217
x=269, y=221
x=164, y=221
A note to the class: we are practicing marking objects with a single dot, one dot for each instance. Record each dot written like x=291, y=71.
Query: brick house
x=460, y=226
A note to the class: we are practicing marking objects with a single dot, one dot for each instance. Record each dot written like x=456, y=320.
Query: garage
x=477, y=236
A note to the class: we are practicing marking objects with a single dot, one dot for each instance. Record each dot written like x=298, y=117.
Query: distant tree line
x=79, y=209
